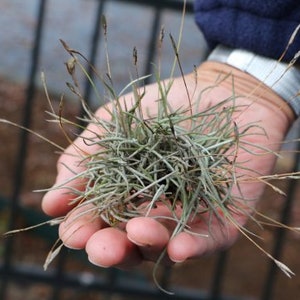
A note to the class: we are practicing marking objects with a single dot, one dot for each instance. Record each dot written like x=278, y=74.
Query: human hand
x=144, y=238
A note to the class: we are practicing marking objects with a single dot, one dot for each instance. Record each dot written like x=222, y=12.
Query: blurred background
x=29, y=44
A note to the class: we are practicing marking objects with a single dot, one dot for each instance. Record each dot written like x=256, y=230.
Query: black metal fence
x=108, y=284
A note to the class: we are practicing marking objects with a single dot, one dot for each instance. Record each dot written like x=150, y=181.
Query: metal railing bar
x=59, y=274
x=95, y=40
x=165, y=4
x=280, y=234
x=152, y=44
x=23, y=142
x=218, y=276
x=124, y=286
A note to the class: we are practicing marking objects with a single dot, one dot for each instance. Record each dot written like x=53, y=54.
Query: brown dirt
x=246, y=266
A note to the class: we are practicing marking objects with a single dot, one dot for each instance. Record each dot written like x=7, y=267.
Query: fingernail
x=178, y=260
x=138, y=243
x=97, y=264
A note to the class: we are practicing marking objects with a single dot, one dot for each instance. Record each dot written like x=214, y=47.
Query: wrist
x=246, y=86
x=282, y=78
x=258, y=103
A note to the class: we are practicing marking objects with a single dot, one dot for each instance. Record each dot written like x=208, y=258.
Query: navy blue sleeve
x=263, y=27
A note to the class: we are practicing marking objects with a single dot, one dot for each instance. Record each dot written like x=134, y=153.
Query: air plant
x=182, y=159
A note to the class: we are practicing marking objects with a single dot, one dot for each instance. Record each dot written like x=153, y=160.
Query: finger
x=56, y=202
x=72, y=162
x=150, y=236
x=110, y=247
x=202, y=241
x=79, y=226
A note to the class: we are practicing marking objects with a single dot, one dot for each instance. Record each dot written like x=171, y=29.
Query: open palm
x=144, y=238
